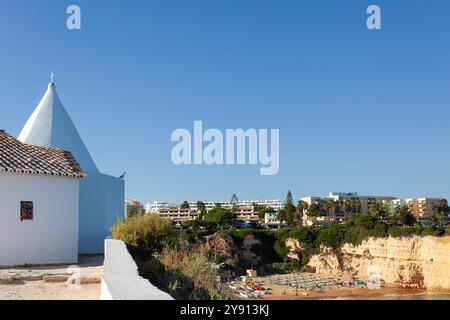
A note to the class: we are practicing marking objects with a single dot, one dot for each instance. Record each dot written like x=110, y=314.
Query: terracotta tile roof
x=19, y=157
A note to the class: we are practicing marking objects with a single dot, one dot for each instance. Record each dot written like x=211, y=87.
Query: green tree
x=346, y=206
x=134, y=211
x=289, y=199
x=314, y=210
x=377, y=209
x=440, y=208
x=234, y=199
x=291, y=214
x=201, y=207
x=257, y=207
x=356, y=206
x=351, y=206
x=332, y=236
x=302, y=206
x=281, y=216
x=234, y=202
x=185, y=205
x=406, y=218
x=332, y=207
x=404, y=215
x=262, y=212
x=365, y=220
x=220, y=216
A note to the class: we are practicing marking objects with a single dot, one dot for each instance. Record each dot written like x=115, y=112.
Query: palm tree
x=356, y=206
x=347, y=206
x=302, y=206
x=332, y=207
x=440, y=210
x=201, y=207
x=377, y=209
x=314, y=210
x=403, y=215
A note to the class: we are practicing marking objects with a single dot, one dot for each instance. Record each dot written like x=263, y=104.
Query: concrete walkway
x=53, y=282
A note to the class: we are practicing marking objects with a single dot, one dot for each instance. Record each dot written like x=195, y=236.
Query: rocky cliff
x=419, y=262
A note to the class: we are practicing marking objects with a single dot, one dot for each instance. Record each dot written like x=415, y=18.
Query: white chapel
x=39, y=204
x=101, y=196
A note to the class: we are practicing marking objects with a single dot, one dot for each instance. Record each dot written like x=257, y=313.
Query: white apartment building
x=178, y=214
x=274, y=204
x=271, y=220
x=156, y=206
x=243, y=209
x=209, y=205
x=366, y=201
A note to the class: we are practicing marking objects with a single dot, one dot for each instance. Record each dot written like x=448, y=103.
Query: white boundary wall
x=121, y=279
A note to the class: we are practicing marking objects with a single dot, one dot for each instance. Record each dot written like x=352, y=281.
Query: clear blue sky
x=357, y=110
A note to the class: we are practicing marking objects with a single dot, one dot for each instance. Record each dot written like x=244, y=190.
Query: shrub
x=265, y=249
x=304, y=235
x=353, y=236
x=143, y=234
x=380, y=230
x=432, y=231
x=332, y=236
x=293, y=265
x=307, y=253
x=281, y=249
x=365, y=221
x=187, y=275
x=400, y=232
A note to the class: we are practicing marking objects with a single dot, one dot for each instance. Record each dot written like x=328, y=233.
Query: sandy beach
x=311, y=286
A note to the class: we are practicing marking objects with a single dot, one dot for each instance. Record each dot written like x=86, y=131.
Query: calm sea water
x=420, y=296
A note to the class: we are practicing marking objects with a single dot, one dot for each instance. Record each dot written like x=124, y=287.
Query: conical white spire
x=51, y=126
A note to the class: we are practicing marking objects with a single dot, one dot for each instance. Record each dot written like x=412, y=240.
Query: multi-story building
x=313, y=200
x=365, y=201
x=271, y=220
x=340, y=198
x=156, y=206
x=245, y=212
x=178, y=214
x=394, y=204
x=274, y=204
x=133, y=206
x=209, y=205
x=422, y=207
x=244, y=209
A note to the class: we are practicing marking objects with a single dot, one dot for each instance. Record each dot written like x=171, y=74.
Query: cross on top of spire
x=52, y=78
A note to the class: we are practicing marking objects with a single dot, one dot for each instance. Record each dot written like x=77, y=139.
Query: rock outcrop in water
x=416, y=262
